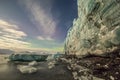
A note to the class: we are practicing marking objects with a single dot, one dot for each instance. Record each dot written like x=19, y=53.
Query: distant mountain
x=6, y=51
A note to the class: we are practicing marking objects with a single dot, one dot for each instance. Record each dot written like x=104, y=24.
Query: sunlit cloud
x=11, y=35
x=45, y=38
x=41, y=16
x=4, y=24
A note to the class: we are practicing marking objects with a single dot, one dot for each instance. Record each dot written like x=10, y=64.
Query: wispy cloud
x=44, y=38
x=11, y=35
x=41, y=16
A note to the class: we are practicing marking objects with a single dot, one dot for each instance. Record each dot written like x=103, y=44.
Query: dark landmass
x=6, y=51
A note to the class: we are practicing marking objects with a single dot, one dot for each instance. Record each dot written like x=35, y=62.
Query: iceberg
x=27, y=57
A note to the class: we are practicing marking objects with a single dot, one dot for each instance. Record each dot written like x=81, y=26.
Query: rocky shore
x=94, y=67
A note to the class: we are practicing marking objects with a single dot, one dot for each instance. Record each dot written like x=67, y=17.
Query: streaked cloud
x=11, y=35
x=39, y=12
x=40, y=38
x=44, y=38
x=41, y=16
x=7, y=25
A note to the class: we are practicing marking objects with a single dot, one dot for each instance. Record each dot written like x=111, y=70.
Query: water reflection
x=8, y=72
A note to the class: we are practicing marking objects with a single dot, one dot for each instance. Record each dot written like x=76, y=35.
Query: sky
x=35, y=24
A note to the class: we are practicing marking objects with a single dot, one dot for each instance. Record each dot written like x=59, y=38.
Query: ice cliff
x=96, y=30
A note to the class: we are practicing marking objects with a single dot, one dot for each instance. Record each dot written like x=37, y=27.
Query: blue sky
x=35, y=23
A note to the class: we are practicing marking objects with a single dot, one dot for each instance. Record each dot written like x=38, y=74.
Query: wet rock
x=69, y=67
x=117, y=73
x=112, y=78
x=75, y=75
x=63, y=59
x=84, y=78
x=96, y=78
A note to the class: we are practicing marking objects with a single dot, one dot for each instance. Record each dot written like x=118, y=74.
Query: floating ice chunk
x=26, y=69
x=33, y=63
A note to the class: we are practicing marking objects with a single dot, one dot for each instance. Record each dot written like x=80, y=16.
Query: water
x=10, y=72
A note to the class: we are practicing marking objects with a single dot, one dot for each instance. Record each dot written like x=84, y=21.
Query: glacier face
x=96, y=30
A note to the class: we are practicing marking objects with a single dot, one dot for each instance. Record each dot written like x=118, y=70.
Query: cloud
x=45, y=38
x=11, y=36
x=41, y=16
x=7, y=25
x=40, y=38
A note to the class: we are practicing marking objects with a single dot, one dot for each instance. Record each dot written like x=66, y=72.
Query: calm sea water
x=10, y=72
